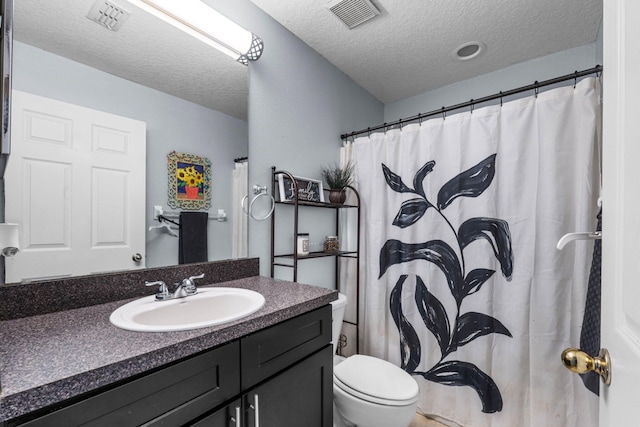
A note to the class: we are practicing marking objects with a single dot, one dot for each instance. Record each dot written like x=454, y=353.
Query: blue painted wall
x=299, y=105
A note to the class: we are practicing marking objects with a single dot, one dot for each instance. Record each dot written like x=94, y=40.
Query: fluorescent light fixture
x=199, y=20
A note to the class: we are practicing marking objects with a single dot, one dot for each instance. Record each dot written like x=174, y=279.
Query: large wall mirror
x=192, y=98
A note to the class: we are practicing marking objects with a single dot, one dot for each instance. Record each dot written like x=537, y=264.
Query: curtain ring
x=420, y=119
x=536, y=89
x=575, y=79
x=501, y=98
x=444, y=114
x=369, y=131
x=471, y=106
x=385, y=127
x=400, y=125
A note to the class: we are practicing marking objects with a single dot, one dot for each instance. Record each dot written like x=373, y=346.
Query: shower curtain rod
x=535, y=86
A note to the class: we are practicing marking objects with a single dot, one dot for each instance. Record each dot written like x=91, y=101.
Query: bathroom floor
x=420, y=421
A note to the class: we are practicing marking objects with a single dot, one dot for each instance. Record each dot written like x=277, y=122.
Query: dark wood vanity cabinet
x=278, y=376
x=301, y=396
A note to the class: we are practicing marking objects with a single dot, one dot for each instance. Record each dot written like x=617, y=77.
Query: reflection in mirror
x=191, y=98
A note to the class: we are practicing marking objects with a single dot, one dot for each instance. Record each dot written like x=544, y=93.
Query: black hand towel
x=193, y=237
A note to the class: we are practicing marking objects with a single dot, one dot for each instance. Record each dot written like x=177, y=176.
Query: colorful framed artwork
x=189, y=181
x=308, y=189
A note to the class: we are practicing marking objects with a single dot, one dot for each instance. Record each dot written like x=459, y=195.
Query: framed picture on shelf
x=308, y=189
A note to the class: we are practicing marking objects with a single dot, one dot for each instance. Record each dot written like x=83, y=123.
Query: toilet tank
x=338, y=306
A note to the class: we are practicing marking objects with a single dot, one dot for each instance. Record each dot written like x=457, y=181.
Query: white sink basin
x=209, y=307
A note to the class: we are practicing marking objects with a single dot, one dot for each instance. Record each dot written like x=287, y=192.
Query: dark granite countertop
x=48, y=358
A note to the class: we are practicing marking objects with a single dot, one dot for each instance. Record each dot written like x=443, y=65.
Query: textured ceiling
x=408, y=48
x=145, y=50
x=405, y=51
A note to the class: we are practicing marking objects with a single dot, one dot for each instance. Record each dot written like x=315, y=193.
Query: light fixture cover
x=207, y=25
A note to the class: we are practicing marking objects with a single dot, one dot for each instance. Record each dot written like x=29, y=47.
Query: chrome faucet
x=163, y=292
x=182, y=290
x=189, y=286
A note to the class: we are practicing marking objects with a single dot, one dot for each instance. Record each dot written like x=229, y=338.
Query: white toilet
x=369, y=392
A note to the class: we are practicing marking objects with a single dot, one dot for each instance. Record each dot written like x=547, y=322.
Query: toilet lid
x=375, y=380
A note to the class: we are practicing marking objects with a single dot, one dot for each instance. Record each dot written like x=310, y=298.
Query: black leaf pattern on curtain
x=488, y=228
x=458, y=373
x=470, y=183
x=409, y=341
x=468, y=326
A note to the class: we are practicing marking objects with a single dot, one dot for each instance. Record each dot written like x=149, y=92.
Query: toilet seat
x=376, y=381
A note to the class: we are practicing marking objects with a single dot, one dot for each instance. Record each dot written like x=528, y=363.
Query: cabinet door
x=229, y=416
x=271, y=350
x=169, y=397
x=301, y=396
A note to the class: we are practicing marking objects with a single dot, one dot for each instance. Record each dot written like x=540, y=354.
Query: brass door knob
x=580, y=362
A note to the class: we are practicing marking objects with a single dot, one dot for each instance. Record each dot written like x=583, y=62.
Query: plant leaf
x=473, y=325
x=420, y=176
x=435, y=251
x=394, y=181
x=433, y=314
x=474, y=281
x=410, y=212
x=409, y=342
x=457, y=373
x=470, y=183
x=496, y=231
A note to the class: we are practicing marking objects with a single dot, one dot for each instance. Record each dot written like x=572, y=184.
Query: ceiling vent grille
x=353, y=12
x=108, y=14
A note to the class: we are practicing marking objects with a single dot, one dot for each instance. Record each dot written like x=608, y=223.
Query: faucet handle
x=190, y=286
x=163, y=291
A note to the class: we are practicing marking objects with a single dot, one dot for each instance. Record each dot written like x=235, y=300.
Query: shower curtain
x=240, y=241
x=462, y=284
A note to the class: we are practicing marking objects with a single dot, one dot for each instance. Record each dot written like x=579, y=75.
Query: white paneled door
x=75, y=182
x=621, y=212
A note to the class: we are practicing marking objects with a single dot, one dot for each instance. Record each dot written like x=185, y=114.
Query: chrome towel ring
x=258, y=191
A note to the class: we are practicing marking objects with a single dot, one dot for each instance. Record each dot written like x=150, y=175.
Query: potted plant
x=338, y=178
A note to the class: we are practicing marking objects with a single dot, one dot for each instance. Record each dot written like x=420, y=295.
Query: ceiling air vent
x=108, y=14
x=353, y=12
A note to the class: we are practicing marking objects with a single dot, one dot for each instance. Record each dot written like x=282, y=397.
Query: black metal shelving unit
x=291, y=260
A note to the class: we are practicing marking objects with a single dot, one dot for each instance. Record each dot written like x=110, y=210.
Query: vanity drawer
x=271, y=350
x=175, y=394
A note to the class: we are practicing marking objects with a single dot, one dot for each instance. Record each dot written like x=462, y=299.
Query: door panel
x=75, y=183
x=621, y=212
